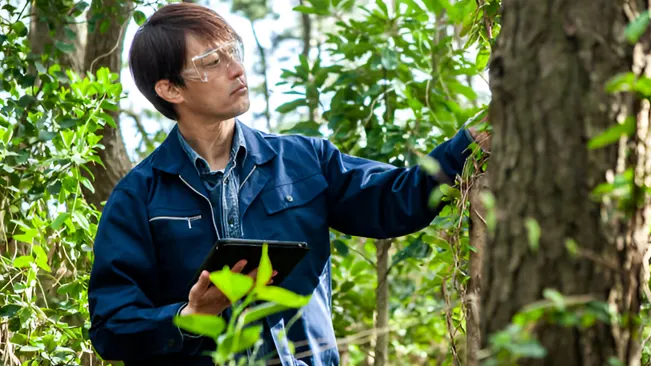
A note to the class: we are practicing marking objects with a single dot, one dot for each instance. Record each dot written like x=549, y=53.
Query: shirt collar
x=238, y=151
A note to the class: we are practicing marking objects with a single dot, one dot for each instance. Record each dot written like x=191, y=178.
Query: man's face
x=215, y=81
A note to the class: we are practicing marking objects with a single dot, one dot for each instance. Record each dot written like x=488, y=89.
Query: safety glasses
x=206, y=66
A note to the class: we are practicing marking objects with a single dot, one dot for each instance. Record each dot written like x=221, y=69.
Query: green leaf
x=555, y=297
x=23, y=261
x=572, y=246
x=281, y=296
x=389, y=59
x=481, y=61
x=305, y=9
x=429, y=164
x=19, y=28
x=264, y=268
x=341, y=247
x=206, y=325
x=8, y=311
x=139, y=17
x=637, y=27
x=56, y=224
x=44, y=135
x=107, y=118
x=531, y=349
x=261, y=311
x=233, y=285
x=64, y=47
x=238, y=342
x=613, y=134
x=416, y=249
x=290, y=106
x=533, y=233
x=41, y=258
x=621, y=82
x=109, y=105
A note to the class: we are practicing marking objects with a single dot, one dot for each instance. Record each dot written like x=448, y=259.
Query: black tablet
x=284, y=256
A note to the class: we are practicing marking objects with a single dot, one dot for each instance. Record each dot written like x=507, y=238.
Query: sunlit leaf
x=264, y=268
x=233, y=285
x=281, y=296
x=206, y=325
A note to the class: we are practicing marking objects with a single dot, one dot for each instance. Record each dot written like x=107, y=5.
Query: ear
x=169, y=92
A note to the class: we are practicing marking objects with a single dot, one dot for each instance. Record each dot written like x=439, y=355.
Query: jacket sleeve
x=377, y=200
x=126, y=323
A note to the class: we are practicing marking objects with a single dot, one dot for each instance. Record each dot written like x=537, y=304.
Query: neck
x=212, y=141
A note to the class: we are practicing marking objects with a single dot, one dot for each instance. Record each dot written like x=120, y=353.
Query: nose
x=235, y=69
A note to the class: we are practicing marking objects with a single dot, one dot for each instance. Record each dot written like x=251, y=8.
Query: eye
x=211, y=60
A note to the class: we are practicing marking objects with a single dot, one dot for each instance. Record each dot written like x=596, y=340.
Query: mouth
x=242, y=88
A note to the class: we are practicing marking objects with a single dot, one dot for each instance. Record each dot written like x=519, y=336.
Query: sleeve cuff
x=452, y=154
x=185, y=334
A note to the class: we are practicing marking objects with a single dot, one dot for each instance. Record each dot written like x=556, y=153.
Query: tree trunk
x=548, y=75
x=265, y=81
x=105, y=50
x=478, y=237
x=382, y=303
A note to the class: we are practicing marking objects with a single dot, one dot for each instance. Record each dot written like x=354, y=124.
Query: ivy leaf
x=281, y=296
x=8, y=311
x=206, y=325
x=41, y=258
x=23, y=261
x=533, y=231
x=233, y=285
x=637, y=27
x=416, y=249
x=613, y=134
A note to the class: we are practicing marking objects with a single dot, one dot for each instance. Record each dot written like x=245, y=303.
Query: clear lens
x=206, y=66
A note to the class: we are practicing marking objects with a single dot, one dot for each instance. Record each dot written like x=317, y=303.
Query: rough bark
x=105, y=50
x=548, y=72
x=382, y=303
x=478, y=237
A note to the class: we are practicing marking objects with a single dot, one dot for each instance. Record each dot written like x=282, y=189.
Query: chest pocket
x=293, y=195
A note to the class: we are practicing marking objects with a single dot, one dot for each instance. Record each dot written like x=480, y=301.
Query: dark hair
x=158, y=50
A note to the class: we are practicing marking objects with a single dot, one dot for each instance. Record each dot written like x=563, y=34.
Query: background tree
x=569, y=173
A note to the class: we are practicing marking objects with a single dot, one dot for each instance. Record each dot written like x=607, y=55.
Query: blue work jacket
x=158, y=225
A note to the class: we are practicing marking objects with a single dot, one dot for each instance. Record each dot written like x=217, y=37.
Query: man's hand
x=207, y=299
x=483, y=138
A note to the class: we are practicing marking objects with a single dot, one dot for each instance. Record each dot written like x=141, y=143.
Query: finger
x=202, y=283
x=253, y=274
x=239, y=266
x=274, y=273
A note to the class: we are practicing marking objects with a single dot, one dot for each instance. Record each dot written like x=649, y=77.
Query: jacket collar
x=172, y=159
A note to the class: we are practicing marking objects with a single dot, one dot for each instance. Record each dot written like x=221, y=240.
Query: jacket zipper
x=189, y=219
x=212, y=213
x=248, y=176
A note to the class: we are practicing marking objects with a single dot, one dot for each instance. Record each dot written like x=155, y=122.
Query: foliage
x=242, y=332
x=388, y=84
x=49, y=122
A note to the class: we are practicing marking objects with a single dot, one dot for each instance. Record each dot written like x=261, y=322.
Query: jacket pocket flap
x=293, y=194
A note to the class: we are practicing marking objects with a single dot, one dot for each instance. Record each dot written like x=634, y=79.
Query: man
x=214, y=177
